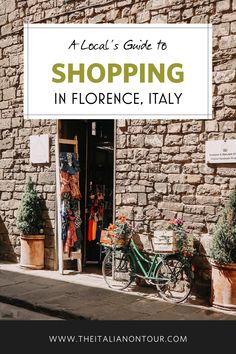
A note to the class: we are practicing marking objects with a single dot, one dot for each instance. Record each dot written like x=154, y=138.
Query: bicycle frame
x=137, y=258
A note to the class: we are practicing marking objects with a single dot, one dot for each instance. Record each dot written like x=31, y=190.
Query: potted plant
x=29, y=223
x=223, y=257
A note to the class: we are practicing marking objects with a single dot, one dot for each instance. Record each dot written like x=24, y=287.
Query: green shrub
x=223, y=248
x=29, y=219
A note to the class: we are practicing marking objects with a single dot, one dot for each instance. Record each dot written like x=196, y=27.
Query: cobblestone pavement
x=85, y=296
x=11, y=312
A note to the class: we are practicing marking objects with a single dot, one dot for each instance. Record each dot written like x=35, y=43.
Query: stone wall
x=161, y=167
x=14, y=141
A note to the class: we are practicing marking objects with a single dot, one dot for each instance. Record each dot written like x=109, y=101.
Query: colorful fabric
x=90, y=229
x=74, y=186
x=94, y=230
x=71, y=235
x=69, y=163
x=65, y=182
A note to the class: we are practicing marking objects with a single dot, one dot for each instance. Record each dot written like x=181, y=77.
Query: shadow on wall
x=6, y=249
x=49, y=231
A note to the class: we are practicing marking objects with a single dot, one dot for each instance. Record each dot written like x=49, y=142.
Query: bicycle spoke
x=117, y=269
x=174, y=280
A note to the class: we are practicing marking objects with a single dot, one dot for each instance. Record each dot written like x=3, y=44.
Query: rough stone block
x=170, y=168
x=157, y=4
x=7, y=186
x=174, y=128
x=3, y=20
x=6, y=163
x=130, y=198
x=208, y=200
x=142, y=199
x=97, y=19
x=138, y=122
x=137, y=141
x=194, y=179
x=227, y=126
x=151, y=212
x=229, y=17
x=233, y=27
x=6, y=29
x=5, y=123
x=112, y=15
x=222, y=6
x=136, y=188
x=230, y=100
x=125, y=210
x=191, y=139
x=174, y=16
x=123, y=168
x=228, y=42
x=153, y=140
x=9, y=93
x=143, y=16
x=171, y=206
x=47, y=178
x=172, y=140
x=121, y=141
x=192, y=127
x=188, y=13
x=200, y=19
x=159, y=19
x=121, y=123
x=6, y=144
x=224, y=76
x=183, y=189
x=211, y=126
x=138, y=213
x=193, y=218
x=208, y=189
x=221, y=29
x=10, y=6
x=161, y=187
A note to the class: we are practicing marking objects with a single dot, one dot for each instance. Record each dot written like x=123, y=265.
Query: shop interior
x=96, y=168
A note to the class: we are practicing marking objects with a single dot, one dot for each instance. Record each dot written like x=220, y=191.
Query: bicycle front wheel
x=117, y=269
x=173, y=280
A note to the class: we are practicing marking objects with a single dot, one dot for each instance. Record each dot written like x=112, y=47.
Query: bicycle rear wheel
x=117, y=269
x=174, y=280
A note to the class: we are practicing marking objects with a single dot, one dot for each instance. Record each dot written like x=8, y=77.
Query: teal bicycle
x=172, y=274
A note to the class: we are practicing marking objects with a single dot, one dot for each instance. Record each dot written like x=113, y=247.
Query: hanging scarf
x=74, y=185
x=94, y=230
x=90, y=229
x=71, y=234
x=65, y=180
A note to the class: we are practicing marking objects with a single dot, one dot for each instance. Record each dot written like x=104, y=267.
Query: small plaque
x=39, y=149
x=221, y=151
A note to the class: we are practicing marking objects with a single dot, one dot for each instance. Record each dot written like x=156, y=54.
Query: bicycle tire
x=173, y=280
x=117, y=269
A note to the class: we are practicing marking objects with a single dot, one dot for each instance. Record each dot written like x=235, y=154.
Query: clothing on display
x=70, y=208
x=100, y=211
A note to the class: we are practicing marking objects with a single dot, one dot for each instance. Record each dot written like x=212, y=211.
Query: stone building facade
x=160, y=164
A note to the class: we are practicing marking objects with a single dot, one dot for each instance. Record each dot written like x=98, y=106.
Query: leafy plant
x=29, y=219
x=223, y=248
x=182, y=241
x=121, y=229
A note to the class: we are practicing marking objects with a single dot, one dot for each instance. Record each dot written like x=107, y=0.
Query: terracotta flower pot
x=32, y=251
x=223, y=286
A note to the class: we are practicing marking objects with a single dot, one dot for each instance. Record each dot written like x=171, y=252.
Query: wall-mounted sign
x=39, y=149
x=221, y=151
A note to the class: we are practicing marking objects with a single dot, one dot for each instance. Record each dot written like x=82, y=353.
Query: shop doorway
x=96, y=158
